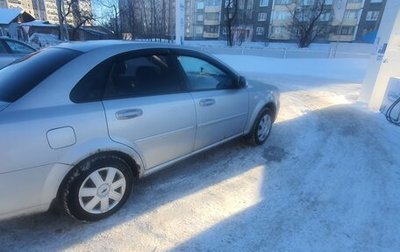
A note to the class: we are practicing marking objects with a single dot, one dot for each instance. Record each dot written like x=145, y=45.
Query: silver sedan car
x=80, y=121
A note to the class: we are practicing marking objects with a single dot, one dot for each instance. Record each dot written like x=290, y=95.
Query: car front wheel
x=261, y=128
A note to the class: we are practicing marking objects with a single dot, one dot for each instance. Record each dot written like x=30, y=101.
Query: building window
x=355, y=1
x=281, y=15
x=200, y=17
x=372, y=15
x=213, y=2
x=283, y=1
x=211, y=28
x=325, y=16
x=376, y=1
x=199, y=29
x=262, y=16
x=263, y=3
x=307, y=2
x=328, y=2
x=351, y=14
x=345, y=30
x=278, y=29
x=200, y=5
x=260, y=30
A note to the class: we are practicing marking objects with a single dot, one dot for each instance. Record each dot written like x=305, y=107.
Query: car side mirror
x=241, y=83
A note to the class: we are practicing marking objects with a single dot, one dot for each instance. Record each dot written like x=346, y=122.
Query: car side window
x=91, y=87
x=143, y=76
x=202, y=75
x=18, y=47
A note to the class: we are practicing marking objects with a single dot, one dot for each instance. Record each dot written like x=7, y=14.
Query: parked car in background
x=11, y=49
x=80, y=121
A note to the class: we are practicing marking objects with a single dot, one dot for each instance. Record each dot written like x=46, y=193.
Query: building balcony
x=349, y=22
x=280, y=22
x=212, y=9
x=354, y=6
x=341, y=38
x=211, y=22
x=210, y=35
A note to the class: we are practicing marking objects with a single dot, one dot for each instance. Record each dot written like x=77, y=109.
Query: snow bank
x=340, y=69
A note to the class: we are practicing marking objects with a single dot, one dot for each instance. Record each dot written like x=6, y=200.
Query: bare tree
x=80, y=17
x=230, y=14
x=62, y=14
x=306, y=25
x=111, y=16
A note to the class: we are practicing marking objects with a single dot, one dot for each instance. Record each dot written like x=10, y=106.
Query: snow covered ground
x=326, y=180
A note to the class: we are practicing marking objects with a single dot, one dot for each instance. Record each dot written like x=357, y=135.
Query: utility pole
x=179, y=21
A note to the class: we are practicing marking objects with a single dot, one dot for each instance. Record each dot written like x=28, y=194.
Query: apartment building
x=346, y=20
x=261, y=19
x=269, y=20
x=252, y=20
x=25, y=5
x=370, y=19
x=45, y=9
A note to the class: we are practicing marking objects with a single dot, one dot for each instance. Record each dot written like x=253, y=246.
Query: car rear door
x=147, y=107
x=221, y=107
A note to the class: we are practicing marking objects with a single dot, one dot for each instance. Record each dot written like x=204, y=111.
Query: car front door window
x=202, y=75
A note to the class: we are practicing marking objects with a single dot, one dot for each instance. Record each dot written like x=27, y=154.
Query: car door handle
x=207, y=102
x=128, y=114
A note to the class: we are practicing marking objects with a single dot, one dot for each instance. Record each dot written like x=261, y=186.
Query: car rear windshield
x=23, y=75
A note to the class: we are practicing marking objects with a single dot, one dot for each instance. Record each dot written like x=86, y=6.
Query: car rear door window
x=203, y=75
x=91, y=87
x=143, y=76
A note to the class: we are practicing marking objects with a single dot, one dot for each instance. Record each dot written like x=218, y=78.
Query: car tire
x=97, y=187
x=261, y=128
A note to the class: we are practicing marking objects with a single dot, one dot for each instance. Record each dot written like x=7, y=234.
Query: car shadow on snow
x=328, y=181
x=330, y=184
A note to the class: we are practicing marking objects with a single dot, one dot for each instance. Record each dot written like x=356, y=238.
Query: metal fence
x=285, y=53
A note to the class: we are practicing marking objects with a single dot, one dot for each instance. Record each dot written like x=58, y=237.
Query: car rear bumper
x=30, y=190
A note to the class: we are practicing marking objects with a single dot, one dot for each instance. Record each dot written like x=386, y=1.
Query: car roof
x=86, y=46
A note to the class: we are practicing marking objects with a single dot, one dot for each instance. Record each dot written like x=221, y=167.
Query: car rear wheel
x=97, y=188
x=261, y=128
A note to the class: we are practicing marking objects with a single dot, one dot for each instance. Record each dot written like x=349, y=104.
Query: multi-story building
x=251, y=22
x=281, y=19
x=39, y=9
x=346, y=19
x=370, y=19
x=45, y=9
x=261, y=19
x=25, y=5
x=264, y=20
x=212, y=19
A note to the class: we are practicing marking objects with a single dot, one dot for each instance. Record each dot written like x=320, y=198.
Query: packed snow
x=327, y=179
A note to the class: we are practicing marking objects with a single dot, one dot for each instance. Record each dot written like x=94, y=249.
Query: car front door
x=147, y=107
x=221, y=107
